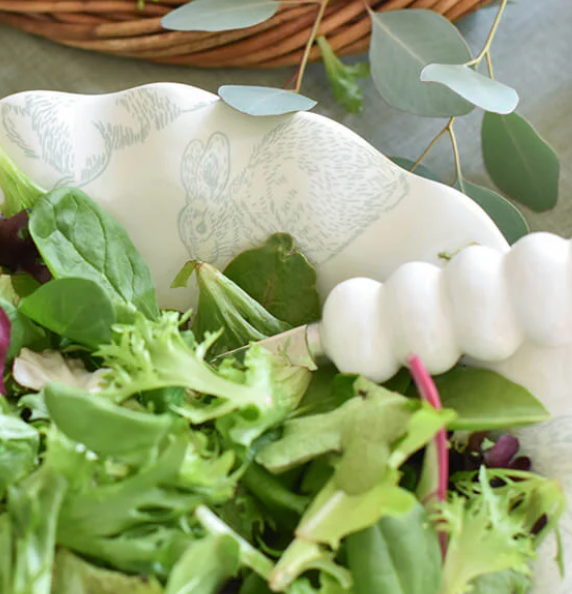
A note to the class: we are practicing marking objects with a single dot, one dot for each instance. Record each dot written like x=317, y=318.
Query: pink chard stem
x=429, y=393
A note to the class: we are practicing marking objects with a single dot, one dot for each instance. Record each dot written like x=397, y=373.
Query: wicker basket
x=118, y=27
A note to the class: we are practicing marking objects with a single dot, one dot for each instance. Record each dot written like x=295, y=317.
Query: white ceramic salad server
x=484, y=304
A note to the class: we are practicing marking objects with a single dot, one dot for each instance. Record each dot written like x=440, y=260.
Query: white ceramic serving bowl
x=190, y=178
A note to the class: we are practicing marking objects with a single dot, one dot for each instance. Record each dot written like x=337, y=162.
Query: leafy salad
x=134, y=458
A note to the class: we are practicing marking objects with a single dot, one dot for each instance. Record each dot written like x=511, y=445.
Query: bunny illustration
x=324, y=204
x=77, y=146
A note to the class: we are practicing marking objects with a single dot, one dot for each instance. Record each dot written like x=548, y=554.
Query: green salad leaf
x=398, y=555
x=280, y=278
x=484, y=399
x=78, y=239
x=223, y=304
x=75, y=308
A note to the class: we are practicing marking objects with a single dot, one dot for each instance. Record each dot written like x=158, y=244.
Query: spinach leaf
x=398, y=555
x=76, y=308
x=77, y=238
x=280, y=278
x=484, y=400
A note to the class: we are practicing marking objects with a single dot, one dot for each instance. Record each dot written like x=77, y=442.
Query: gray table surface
x=531, y=52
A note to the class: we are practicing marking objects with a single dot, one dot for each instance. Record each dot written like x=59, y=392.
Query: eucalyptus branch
x=485, y=52
x=490, y=65
x=309, y=44
x=430, y=146
x=456, y=155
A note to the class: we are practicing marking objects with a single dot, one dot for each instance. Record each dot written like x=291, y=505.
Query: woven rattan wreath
x=119, y=27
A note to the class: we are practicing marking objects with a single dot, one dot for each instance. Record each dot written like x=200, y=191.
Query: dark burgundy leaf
x=502, y=453
x=18, y=252
x=4, y=346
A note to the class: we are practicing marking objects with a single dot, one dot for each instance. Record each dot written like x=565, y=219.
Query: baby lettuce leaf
x=19, y=446
x=150, y=355
x=205, y=566
x=103, y=427
x=491, y=529
x=75, y=308
x=280, y=278
x=484, y=400
x=331, y=516
x=398, y=555
x=373, y=431
x=78, y=239
x=28, y=532
x=73, y=575
x=502, y=582
x=223, y=304
x=20, y=192
x=131, y=523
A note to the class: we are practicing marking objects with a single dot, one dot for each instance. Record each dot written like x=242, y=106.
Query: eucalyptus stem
x=429, y=147
x=484, y=53
x=489, y=65
x=309, y=44
x=456, y=155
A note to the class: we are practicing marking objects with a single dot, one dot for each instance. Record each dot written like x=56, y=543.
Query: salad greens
x=132, y=460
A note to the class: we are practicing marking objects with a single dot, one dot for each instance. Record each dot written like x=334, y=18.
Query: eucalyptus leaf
x=506, y=216
x=480, y=90
x=280, y=278
x=403, y=42
x=398, y=555
x=420, y=170
x=485, y=400
x=264, y=101
x=343, y=78
x=75, y=308
x=519, y=161
x=220, y=15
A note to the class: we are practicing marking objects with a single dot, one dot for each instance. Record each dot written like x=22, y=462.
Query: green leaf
x=33, y=510
x=519, y=161
x=183, y=276
x=485, y=400
x=76, y=308
x=332, y=516
x=503, y=582
x=505, y=215
x=404, y=42
x=420, y=170
x=78, y=239
x=280, y=278
x=343, y=77
x=23, y=332
x=480, y=90
x=220, y=15
x=104, y=428
x=264, y=101
x=73, y=575
x=224, y=305
x=19, y=446
x=398, y=555
x=20, y=192
x=205, y=566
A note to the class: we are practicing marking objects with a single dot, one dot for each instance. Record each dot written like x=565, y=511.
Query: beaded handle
x=484, y=304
